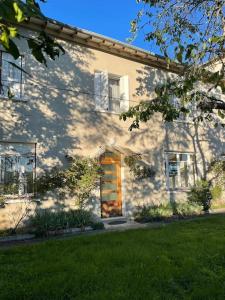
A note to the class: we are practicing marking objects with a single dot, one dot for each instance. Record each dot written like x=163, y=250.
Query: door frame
x=121, y=178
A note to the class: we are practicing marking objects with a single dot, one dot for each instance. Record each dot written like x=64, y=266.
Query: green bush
x=200, y=194
x=187, y=209
x=46, y=220
x=148, y=213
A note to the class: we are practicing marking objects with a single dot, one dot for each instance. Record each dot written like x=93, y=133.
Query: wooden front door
x=111, y=197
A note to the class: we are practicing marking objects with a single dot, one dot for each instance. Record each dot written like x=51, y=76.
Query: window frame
x=178, y=161
x=116, y=78
x=21, y=82
x=34, y=172
x=102, y=106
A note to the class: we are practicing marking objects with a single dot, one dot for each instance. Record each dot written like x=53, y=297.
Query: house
x=73, y=107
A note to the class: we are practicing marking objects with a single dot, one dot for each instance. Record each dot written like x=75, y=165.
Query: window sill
x=13, y=99
x=13, y=199
x=110, y=111
x=184, y=121
x=181, y=190
x=107, y=111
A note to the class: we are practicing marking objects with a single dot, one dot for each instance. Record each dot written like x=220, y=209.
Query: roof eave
x=100, y=42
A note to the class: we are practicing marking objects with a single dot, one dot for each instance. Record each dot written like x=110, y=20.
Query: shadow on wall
x=204, y=140
x=58, y=112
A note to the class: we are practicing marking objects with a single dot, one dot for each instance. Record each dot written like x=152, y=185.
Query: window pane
x=11, y=76
x=181, y=173
x=109, y=197
x=108, y=186
x=109, y=177
x=184, y=175
x=109, y=167
x=17, y=166
x=183, y=157
x=114, y=94
x=173, y=175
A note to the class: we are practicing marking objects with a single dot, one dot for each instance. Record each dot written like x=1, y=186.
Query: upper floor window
x=17, y=168
x=11, y=76
x=180, y=170
x=111, y=92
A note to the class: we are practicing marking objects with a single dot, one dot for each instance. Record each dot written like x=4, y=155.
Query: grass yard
x=183, y=260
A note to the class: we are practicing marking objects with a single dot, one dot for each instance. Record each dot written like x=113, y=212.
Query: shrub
x=98, y=226
x=200, y=194
x=148, y=213
x=187, y=209
x=46, y=220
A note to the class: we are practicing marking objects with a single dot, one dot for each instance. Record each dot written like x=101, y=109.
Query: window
x=180, y=170
x=114, y=94
x=17, y=168
x=111, y=92
x=11, y=83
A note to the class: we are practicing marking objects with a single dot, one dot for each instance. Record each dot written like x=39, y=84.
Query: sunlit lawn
x=183, y=260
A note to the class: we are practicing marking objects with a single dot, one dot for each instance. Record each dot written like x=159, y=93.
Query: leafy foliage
x=12, y=14
x=217, y=168
x=190, y=33
x=80, y=179
x=149, y=213
x=139, y=169
x=201, y=194
x=46, y=220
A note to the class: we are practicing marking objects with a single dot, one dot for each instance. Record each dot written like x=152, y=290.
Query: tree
x=190, y=32
x=12, y=14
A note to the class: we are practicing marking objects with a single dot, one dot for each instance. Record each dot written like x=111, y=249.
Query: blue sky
x=110, y=18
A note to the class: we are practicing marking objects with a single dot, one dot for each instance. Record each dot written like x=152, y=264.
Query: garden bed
x=29, y=236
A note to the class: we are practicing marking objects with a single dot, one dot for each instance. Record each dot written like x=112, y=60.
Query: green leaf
x=13, y=32
x=18, y=13
x=4, y=38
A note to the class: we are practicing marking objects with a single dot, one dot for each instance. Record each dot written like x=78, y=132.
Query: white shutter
x=124, y=93
x=97, y=89
x=101, y=90
x=105, y=91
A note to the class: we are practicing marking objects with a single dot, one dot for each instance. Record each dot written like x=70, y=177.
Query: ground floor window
x=17, y=168
x=180, y=170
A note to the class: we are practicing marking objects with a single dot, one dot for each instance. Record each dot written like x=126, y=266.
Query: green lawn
x=183, y=260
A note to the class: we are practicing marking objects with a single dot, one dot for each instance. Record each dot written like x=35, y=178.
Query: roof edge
x=100, y=42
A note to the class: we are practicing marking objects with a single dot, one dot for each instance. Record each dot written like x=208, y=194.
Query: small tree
x=79, y=179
